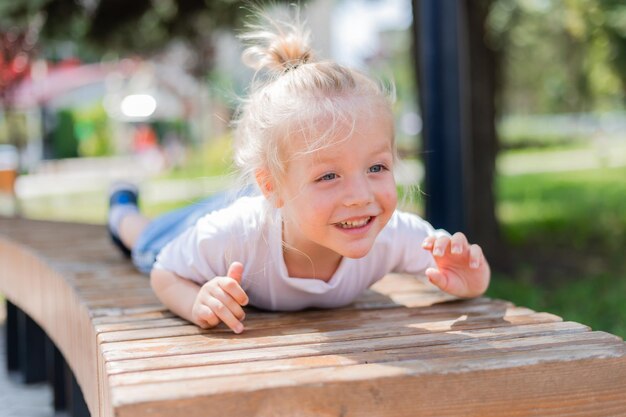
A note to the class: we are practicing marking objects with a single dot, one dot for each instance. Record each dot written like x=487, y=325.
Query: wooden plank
x=128, y=301
x=324, y=320
x=381, y=354
x=139, y=322
x=131, y=318
x=143, y=320
x=148, y=323
x=286, y=327
x=281, y=358
x=113, y=311
x=156, y=359
x=96, y=287
x=284, y=337
x=507, y=383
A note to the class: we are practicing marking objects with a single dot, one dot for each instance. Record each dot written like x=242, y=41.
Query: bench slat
x=378, y=352
x=323, y=322
x=223, y=339
x=399, y=387
x=198, y=361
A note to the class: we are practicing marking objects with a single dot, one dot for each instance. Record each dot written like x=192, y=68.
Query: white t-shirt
x=249, y=231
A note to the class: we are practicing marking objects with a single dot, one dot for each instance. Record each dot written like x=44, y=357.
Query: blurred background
x=94, y=91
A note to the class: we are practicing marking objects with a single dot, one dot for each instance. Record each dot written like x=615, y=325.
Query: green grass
x=212, y=159
x=584, y=211
x=568, y=235
x=518, y=142
x=595, y=300
x=86, y=207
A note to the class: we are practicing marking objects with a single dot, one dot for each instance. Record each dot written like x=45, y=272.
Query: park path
x=588, y=158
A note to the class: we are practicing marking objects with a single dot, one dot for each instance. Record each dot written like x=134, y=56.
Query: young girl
x=317, y=139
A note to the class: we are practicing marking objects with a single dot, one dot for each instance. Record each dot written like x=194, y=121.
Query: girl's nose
x=358, y=192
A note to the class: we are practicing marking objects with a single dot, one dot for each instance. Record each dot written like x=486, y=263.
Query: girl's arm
x=177, y=293
x=219, y=300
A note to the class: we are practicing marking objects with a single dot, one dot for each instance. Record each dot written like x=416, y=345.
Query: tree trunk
x=483, y=144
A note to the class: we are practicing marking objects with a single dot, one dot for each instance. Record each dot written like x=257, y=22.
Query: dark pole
x=442, y=66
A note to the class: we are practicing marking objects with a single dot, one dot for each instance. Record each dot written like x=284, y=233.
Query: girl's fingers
x=476, y=255
x=225, y=315
x=229, y=302
x=448, y=283
x=441, y=245
x=232, y=288
x=428, y=242
x=437, y=278
x=458, y=243
x=206, y=317
x=235, y=271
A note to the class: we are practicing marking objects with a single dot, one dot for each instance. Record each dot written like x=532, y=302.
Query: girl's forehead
x=317, y=129
x=372, y=135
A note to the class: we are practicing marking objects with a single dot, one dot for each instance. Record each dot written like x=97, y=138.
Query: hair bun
x=279, y=50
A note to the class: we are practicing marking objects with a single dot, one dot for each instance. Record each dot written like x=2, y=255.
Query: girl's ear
x=266, y=183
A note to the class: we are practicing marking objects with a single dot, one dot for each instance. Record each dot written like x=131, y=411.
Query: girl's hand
x=462, y=269
x=220, y=300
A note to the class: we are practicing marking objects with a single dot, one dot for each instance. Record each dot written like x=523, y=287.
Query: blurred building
x=73, y=109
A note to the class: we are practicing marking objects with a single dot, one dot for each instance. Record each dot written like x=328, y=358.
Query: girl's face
x=337, y=199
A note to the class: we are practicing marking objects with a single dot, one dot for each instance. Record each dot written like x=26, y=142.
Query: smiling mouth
x=354, y=224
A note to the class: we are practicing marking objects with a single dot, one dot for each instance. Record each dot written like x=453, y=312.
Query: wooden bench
x=402, y=349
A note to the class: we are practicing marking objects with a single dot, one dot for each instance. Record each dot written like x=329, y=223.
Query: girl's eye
x=327, y=177
x=377, y=168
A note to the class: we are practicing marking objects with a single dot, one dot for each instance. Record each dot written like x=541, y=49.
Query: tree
x=139, y=27
x=484, y=65
x=510, y=56
x=615, y=29
x=17, y=48
x=565, y=56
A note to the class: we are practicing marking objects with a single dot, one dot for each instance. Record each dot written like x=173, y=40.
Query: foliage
x=213, y=158
x=13, y=128
x=64, y=141
x=560, y=56
x=93, y=132
x=138, y=27
x=523, y=140
x=17, y=46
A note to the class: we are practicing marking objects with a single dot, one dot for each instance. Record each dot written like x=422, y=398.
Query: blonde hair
x=292, y=93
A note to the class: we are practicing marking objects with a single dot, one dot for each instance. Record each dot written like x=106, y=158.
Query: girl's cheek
x=392, y=194
x=316, y=204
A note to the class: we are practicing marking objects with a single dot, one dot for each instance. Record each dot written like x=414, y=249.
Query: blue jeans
x=167, y=227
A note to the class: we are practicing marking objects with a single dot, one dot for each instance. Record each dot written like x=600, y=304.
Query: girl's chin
x=356, y=253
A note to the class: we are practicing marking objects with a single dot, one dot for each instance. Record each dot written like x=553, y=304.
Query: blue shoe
x=121, y=194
